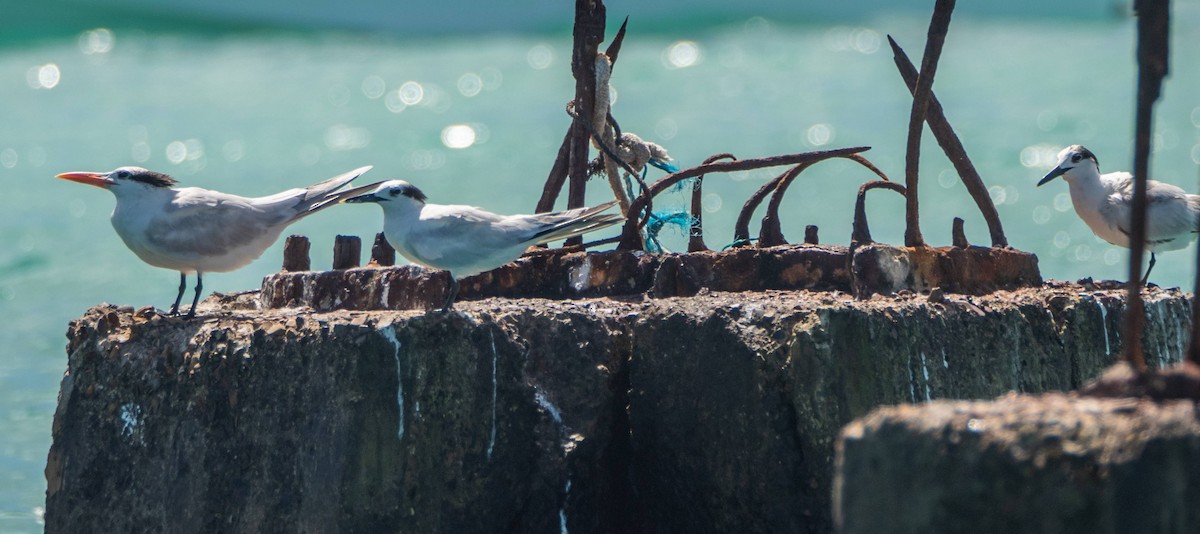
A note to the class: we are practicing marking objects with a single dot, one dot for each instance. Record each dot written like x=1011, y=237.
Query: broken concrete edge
x=1058, y=462
x=727, y=407
x=864, y=270
x=1177, y=382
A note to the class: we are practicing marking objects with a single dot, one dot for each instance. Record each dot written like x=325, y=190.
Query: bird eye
x=122, y=174
x=395, y=192
x=1076, y=158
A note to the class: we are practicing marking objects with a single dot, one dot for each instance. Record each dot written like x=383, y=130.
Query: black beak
x=1058, y=171
x=359, y=194
x=369, y=197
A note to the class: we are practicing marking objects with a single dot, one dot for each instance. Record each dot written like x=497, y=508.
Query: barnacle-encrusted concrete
x=712, y=413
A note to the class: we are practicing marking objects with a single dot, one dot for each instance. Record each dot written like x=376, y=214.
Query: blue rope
x=659, y=220
x=665, y=165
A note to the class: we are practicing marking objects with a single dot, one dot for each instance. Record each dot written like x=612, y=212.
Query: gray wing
x=211, y=223
x=450, y=232
x=1170, y=212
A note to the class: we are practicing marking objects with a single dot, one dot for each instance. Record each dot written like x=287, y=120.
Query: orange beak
x=97, y=179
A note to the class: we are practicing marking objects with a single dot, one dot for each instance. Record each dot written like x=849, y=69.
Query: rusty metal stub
x=877, y=268
x=869, y=269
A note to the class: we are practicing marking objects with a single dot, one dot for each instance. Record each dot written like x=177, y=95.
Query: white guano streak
x=389, y=333
x=495, y=357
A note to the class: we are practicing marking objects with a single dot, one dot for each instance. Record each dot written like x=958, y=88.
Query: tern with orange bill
x=197, y=231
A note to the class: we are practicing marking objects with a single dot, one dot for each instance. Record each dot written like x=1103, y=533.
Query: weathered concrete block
x=1052, y=463
x=706, y=414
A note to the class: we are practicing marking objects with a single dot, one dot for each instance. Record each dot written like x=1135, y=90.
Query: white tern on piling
x=466, y=240
x=193, y=230
x=1105, y=203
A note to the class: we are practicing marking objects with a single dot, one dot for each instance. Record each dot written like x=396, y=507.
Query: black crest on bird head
x=409, y=191
x=156, y=179
x=1087, y=154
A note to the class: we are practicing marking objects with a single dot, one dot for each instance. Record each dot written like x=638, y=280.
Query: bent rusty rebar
x=629, y=240
x=861, y=233
x=633, y=213
x=696, y=233
x=1152, y=49
x=938, y=27
x=609, y=151
x=557, y=178
x=770, y=234
x=630, y=232
x=563, y=162
x=935, y=116
x=741, y=228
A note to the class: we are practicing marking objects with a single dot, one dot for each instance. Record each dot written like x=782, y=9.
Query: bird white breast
x=1090, y=211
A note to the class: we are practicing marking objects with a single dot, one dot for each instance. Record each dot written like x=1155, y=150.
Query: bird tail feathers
x=324, y=194
x=578, y=222
x=1194, y=202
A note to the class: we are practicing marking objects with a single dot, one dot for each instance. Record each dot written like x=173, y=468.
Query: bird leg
x=1148, y=269
x=182, y=287
x=453, y=293
x=196, y=298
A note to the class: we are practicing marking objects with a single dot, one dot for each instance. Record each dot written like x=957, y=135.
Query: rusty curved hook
x=630, y=233
x=771, y=234
x=696, y=235
x=861, y=234
x=741, y=228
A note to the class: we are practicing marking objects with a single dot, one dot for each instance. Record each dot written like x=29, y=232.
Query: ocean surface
x=475, y=117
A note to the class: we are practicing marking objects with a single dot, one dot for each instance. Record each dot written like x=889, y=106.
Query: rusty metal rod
x=1193, y=351
x=741, y=228
x=612, y=154
x=935, y=116
x=587, y=34
x=630, y=232
x=614, y=48
x=558, y=176
x=558, y=172
x=861, y=233
x=810, y=235
x=696, y=234
x=771, y=232
x=938, y=27
x=958, y=237
x=1153, y=30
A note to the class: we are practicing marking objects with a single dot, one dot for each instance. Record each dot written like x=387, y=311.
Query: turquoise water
x=256, y=111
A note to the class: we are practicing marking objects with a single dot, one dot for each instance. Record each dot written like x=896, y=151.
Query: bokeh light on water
x=43, y=76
